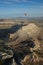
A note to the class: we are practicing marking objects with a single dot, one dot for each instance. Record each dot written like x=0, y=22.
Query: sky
x=17, y=8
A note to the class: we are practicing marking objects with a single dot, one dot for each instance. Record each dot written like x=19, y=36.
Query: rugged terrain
x=21, y=42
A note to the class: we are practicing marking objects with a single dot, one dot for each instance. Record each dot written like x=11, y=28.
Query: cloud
x=18, y=1
x=7, y=1
x=12, y=1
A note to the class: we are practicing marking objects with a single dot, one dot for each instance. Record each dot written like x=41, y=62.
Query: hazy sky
x=17, y=8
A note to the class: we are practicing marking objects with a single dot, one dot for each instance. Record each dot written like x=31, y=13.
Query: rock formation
x=22, y=47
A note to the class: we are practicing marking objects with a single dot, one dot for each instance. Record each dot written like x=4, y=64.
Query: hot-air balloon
x=25, y=14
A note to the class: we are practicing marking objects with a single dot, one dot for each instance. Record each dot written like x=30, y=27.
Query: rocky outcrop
x=22, y=47
x=32, y=60
x=5, y=54
x=29, y=32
